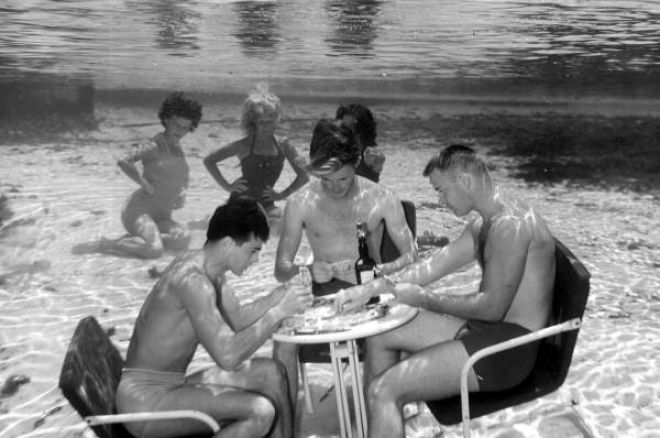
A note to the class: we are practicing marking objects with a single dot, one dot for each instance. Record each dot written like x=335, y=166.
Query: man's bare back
x=164, y=338
x=530, y=305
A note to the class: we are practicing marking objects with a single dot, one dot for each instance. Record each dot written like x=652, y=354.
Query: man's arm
x=399, y=233
x=287, y=247
x=442, y=262
x=240, y=315
x=506, y=251
x=227, y=348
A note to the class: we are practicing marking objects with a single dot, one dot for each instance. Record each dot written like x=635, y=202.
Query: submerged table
x=343, y=345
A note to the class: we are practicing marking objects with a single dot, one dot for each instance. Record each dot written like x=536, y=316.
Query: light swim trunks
x=143, y=390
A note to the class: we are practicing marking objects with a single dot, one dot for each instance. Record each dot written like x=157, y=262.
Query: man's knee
x=263, y=414
x=381, y=390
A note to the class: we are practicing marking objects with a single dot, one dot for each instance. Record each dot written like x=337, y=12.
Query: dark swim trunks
x=331, y=287
x=501, y=370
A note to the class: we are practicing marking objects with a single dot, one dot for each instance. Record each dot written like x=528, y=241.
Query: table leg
x=337, y=351
x=358, y=391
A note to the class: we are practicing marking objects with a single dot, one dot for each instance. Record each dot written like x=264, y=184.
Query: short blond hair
x=259, y=104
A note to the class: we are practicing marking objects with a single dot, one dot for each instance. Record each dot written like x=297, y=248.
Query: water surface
x=460, y=46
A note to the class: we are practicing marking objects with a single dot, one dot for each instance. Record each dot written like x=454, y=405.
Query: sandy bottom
x=69, y=191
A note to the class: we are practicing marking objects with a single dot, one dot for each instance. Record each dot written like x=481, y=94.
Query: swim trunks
x=501, y=370
x=143, y=390
x=331, y=287
x=261, y=171
x=166, y=169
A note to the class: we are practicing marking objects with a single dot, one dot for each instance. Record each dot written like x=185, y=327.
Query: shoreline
x=454, y=104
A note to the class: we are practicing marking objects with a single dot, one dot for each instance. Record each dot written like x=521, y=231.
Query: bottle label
x=387, y=298
x=366, y=276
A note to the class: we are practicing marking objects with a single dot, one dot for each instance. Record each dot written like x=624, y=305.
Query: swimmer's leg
x=241, y=414
x=287, y=355
x=260, y=376
x=146, y=243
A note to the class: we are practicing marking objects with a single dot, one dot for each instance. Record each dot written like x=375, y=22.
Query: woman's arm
x=296, y=162
x=127, y=164
x=211, y=163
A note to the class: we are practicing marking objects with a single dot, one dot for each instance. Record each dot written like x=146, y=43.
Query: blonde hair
x=259, y=104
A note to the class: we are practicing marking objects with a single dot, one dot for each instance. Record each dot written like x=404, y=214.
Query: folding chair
x=571, y=290
x=89, y=378
x=320, y=353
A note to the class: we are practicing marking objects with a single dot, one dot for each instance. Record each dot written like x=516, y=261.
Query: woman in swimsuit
x=147, y=214
x=261, y=155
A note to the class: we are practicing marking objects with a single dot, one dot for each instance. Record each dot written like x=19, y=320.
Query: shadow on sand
x=620, y=153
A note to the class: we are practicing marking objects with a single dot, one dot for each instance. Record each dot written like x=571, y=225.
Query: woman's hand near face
x=374, y=158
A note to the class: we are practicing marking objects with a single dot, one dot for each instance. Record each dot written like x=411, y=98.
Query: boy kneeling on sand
x=190, y=304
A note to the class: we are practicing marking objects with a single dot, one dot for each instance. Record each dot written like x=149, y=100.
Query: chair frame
x=572, y=324
x=97, y=420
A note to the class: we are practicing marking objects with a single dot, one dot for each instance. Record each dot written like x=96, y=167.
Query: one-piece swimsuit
x=261, y=171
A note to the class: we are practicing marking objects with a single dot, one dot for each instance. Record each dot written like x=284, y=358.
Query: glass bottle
x=365, y=266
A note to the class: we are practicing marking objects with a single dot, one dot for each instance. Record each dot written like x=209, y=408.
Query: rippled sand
x=71, y=191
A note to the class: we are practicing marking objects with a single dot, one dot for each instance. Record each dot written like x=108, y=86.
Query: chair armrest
x=95, y=420
x=572, y=324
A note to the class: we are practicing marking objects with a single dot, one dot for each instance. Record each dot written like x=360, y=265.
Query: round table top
x=396, y=316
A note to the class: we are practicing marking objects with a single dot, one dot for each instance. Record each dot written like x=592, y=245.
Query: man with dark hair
x=422, y=360
x=190, y=305
x=361, y=120
x=328, y=212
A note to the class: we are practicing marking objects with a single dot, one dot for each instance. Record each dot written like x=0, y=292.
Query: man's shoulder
x=185, y=272
x=520, y=223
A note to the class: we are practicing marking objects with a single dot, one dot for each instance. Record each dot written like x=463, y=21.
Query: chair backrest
x=569, y=301
x=90, y=375
x=388, y=250
x=571, y=290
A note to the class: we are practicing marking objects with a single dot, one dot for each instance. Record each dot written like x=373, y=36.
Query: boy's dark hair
x=365, y=124
x=333, y=145
x=176, y=105
x=456, y=156
x=240, y=218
